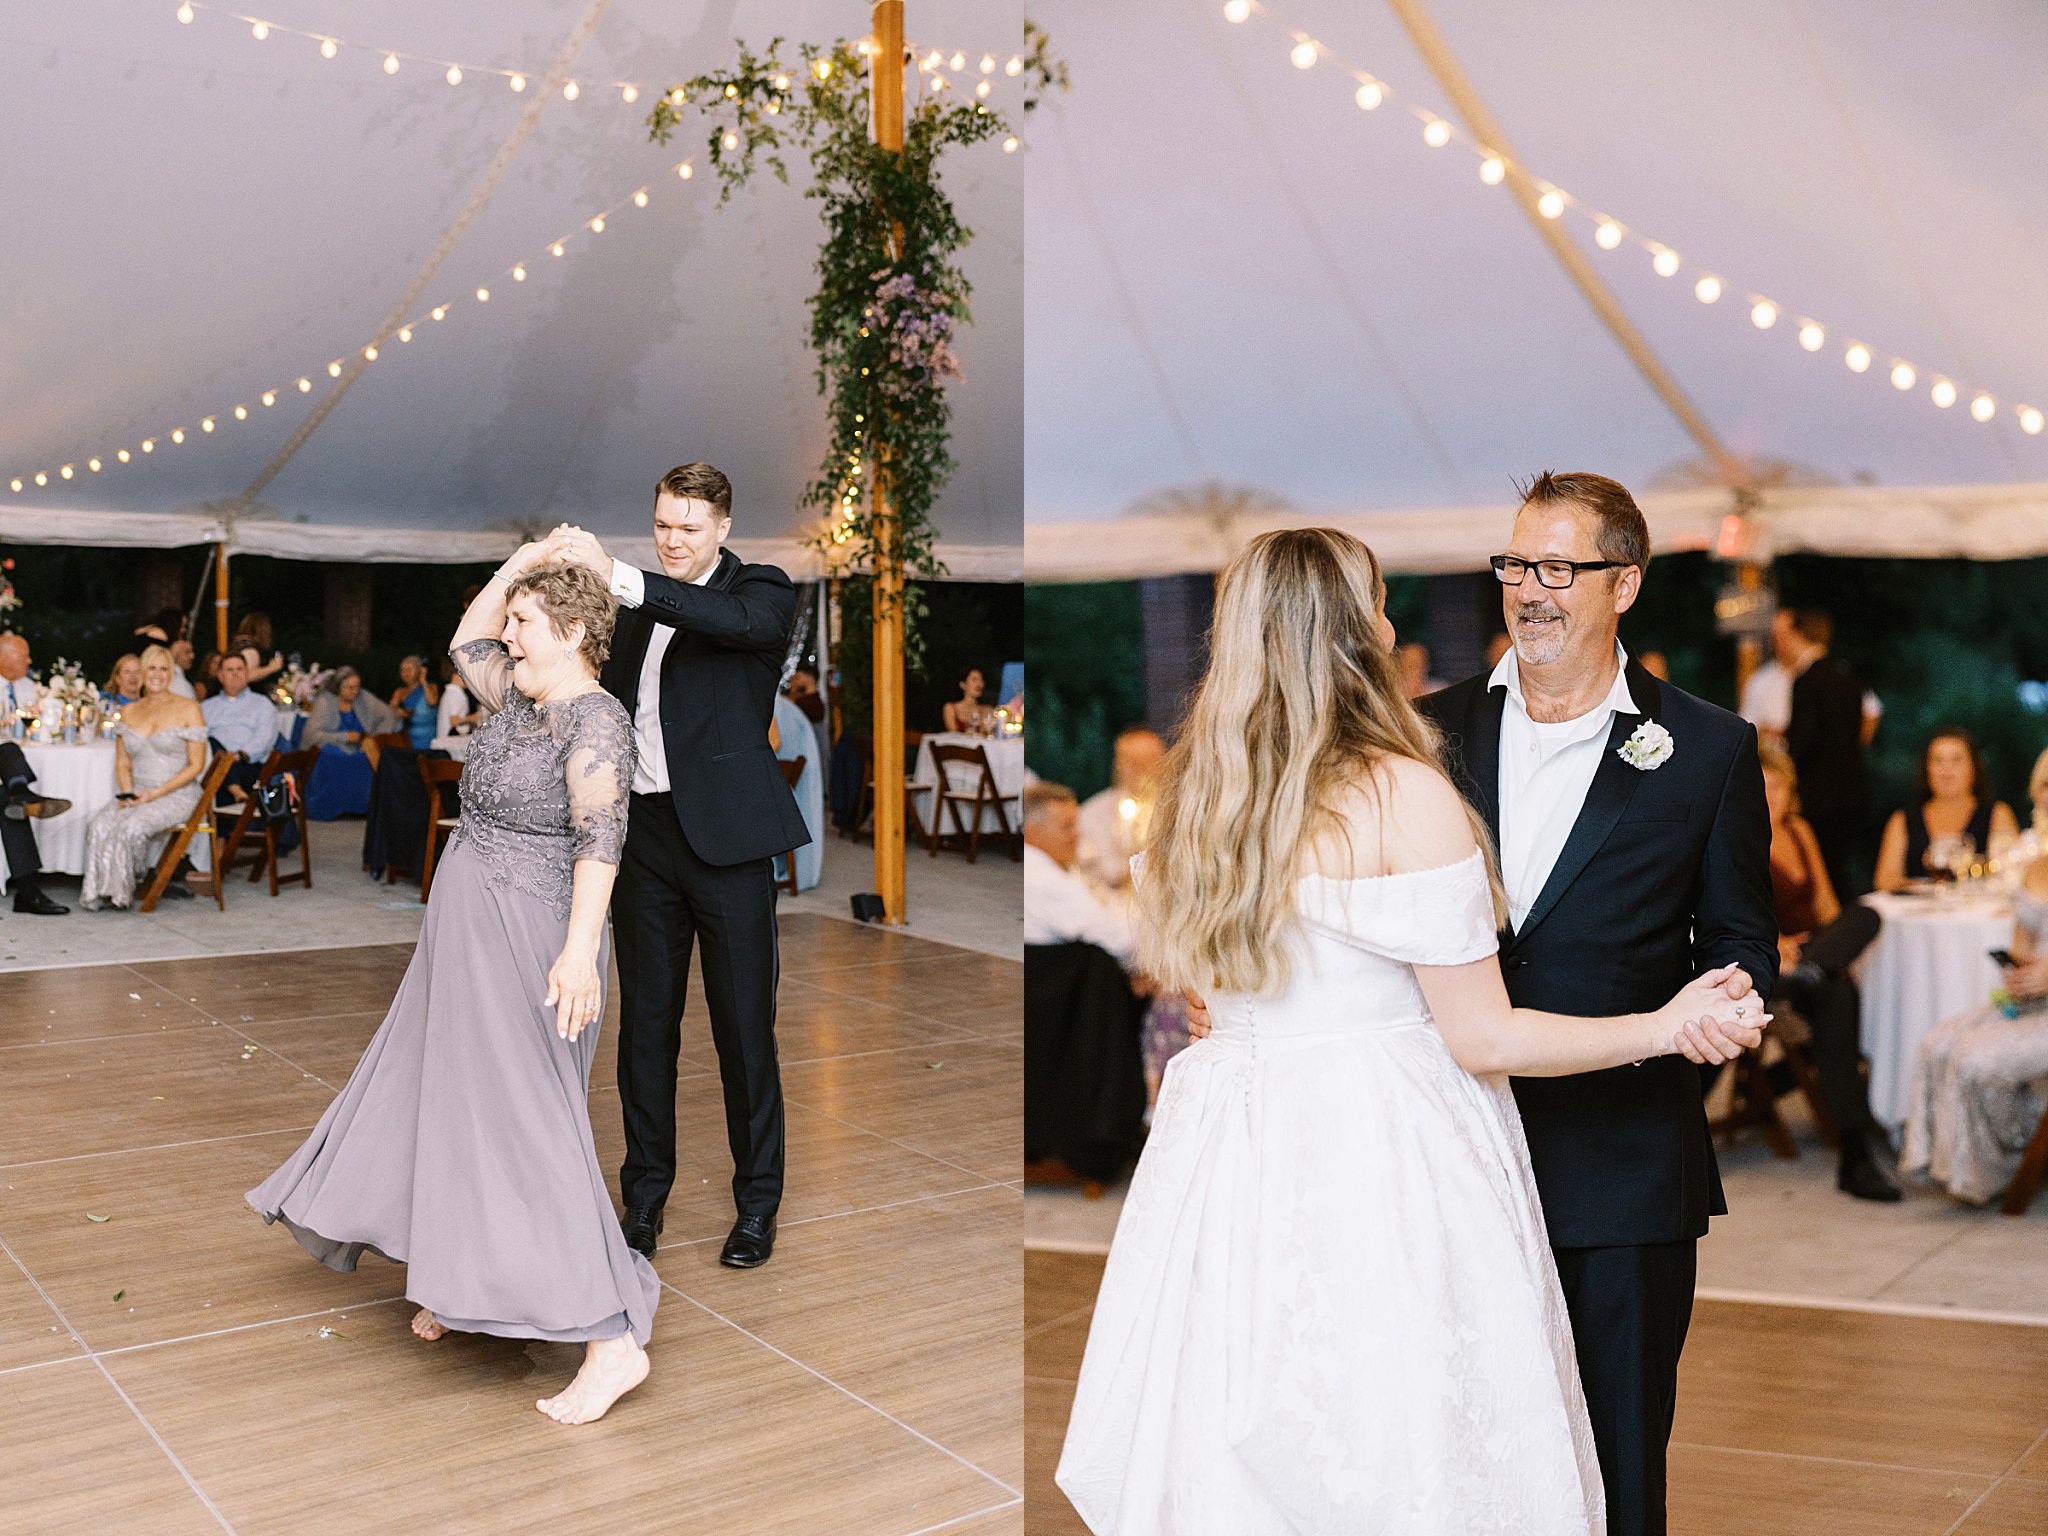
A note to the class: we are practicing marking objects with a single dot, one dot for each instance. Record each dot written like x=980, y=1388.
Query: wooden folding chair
x=2019, y=1194
x=299, y=764
x=434, y=772
x=202, y=819
x=913, y=825
x=1756, y=1103
x=373, y=746
x=792, y=770
x=952, y=798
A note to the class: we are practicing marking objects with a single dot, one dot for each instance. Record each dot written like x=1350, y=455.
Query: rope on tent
x=479, y=199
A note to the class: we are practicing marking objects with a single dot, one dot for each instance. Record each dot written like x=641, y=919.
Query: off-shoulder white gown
x=1331, y=1306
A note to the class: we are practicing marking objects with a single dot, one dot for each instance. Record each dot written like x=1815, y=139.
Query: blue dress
x=341, y=779
x=419, y=724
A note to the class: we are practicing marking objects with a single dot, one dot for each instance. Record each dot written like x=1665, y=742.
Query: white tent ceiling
x=196, y=216
x=1238, y=276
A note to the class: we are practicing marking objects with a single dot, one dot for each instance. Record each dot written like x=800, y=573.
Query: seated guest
x=1416, y=679
x=1954, y=804
x=18, y=691
x=1973, y=1107
x=1818, y=940
x=803, y=693
x=414, y=701
x=159, y=756
x=342, y=718
x=182, y=658
x=1060, y=906
x=967, y=712
x=240, y=720
x=453, y=715
x=1108, y=836
x=206, y=676
x=19, y=805
x=124, y=682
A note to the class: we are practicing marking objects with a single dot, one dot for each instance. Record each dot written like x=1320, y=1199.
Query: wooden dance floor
x=180, y=1367
x=1792, y=1421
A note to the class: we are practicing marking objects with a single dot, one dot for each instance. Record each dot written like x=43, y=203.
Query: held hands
x=1198, y=1016
x=578, y=546
x=1715, y=1018
x=2029, y=979
x=575, y=990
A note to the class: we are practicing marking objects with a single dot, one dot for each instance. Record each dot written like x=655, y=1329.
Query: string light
x=1610, y=233
x=206, y=425
x=185, y=16
x=178, y=435
x=597, y=225
x=369, y=354
x=629, y=94
x=1014, y=68
x=988, y=64
x=260, y=31
x=1010, y=145
x=241, y=413
x=304, y=386
x=483, y=295
x=454, y=75
x=329, y=47
x=517, y=82
x=640, y=198
x=93, y=465
x=571, y=90
x=390, y=63
x=269, y=397
x=65, y=471
x=519, y=274
x=334, y=370
x=122, y=455
x=404, y=334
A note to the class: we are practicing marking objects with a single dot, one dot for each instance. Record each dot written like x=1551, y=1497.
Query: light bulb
x=730, y=141
x=1304, y=55
x=1902, y=376
x=597, y=225
x=1608, y=235
x=329, y=48
x=1237, y=11
x=631, y=93
x=1763, y=314
x=404, y=334
x=65, y=471
x=1016, y=65
x=1707, y=289
x=1551, y=204
x=1436, y=133
x=260, y=30
x=1370, y=95
x=1665, y=262
x=304, y=386
x=938, y=82
x=390, y=63
x=438, y=311
x=334, y=370
x=15, y=485
x=571, y=91
x=959, y=62
x=185, y=16
x=1010, y=145
x=1943, y=394
x=640, y=198
x=122, y=455
x=988, y=65
x=684, y=171
x=556, y=247
x=241, y=413
x=824, y=69
x=981, y=89
x=369, y=354
x=178, y=435
x=1983, y=407
x=483, y=295
x=93, y=465
x=41, y=478
x=270, y=397
x=1492, y=169
x=454, y=75
x=1857, y=357
x=519, y=274
x=206, y=425
x=149, y=445
x=2030, y=421
x=782, y=82
x=517, y=82
x=1812, y=337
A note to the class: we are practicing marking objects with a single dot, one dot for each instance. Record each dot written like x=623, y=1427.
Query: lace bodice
x=1356, y=947
x=159, y=757
x=544, y=784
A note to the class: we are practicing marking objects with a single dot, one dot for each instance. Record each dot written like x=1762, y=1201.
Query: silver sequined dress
x=120, y=837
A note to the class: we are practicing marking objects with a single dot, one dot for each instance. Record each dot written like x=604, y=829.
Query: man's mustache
x=1538, y=611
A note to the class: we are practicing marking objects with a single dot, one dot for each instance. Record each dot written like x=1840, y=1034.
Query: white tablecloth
x=1005, y=760
x=82, y=774
x=456, y=747
x=1930, y=962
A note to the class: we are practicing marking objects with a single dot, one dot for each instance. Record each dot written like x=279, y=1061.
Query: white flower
x=1650, y=747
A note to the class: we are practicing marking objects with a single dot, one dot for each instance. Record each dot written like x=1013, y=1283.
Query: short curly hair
x=567, y=593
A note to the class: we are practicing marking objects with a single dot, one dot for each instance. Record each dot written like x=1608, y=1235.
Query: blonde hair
x=567, y=593
x=2038, y=777
x=150, y=656
x=1775, y=759
x=114, y=676
x=1300, y=704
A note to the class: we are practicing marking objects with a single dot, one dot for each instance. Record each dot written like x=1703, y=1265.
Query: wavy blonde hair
x=1301, y=702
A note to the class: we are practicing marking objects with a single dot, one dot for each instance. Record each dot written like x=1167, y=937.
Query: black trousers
x=17, y=838
x=1838, y=835
x=1834, y=1010
x=1630, y=1308
x=666, y=901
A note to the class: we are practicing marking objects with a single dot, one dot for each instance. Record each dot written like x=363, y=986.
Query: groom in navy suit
x=1635, y=848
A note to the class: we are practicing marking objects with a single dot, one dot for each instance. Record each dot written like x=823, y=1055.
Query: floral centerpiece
x=298, y=683
x=9, y=598
x=67, y=685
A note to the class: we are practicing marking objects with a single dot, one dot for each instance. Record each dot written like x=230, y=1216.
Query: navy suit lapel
x=1482, y=756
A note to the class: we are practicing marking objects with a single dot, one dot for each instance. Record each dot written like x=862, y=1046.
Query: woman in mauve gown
x=461, y=1145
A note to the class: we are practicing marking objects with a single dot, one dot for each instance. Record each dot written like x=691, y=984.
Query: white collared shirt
x=650, y=767
x=1060, y=907
x=1545, y=771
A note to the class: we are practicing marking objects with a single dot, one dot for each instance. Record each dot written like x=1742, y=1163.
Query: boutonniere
x=1650, y=747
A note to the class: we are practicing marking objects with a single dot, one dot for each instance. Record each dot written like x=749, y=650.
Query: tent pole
x=1436, y=53
x=886, y=115
x=220, y=597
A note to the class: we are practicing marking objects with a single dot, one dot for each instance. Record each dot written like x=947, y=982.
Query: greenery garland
x=891, y=297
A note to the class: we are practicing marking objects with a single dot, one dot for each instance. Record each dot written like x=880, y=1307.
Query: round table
x=456, y=747
x=1931, y=961
x=1005, y=761
x=82, y=773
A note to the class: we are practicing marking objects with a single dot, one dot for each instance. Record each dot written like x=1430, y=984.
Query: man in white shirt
x=1767, y=696
x=18, y=691
x=1060, y=906
x=238, y=720
x=1109, y=836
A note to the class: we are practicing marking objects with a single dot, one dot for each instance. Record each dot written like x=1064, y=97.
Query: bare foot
x=611, y=1369
x=427, y=1326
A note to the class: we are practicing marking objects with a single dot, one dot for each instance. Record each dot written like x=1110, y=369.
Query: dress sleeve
x=599, y=770
x=486, y=670
x=1430, y=917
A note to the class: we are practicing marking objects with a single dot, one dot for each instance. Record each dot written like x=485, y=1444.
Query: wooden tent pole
x=220, y=597
x=886, y=115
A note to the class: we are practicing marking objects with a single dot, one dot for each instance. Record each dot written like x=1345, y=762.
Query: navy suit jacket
x=1665, y=874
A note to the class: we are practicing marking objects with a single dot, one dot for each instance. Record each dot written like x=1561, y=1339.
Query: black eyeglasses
x=1554, y=574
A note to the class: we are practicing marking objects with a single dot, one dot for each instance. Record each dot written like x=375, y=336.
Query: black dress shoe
x=749, y=1243
x=34, y=903
x=25, y=806
x=1860, y=1175
x=642, y=1225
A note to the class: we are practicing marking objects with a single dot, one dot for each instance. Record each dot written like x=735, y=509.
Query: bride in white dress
x=1331, y=1306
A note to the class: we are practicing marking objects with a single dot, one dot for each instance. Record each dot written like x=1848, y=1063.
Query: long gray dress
x=118, y=839
x=461, y=1145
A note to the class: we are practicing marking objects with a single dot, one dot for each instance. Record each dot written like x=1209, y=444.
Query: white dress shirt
x=1545, y=771
x=19, y=694
x=245, y=722
x=1060, y=907
x=1767, y=699
x=650, y=768
x=454, y=703
x=181, y=685
x=1107, y=840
